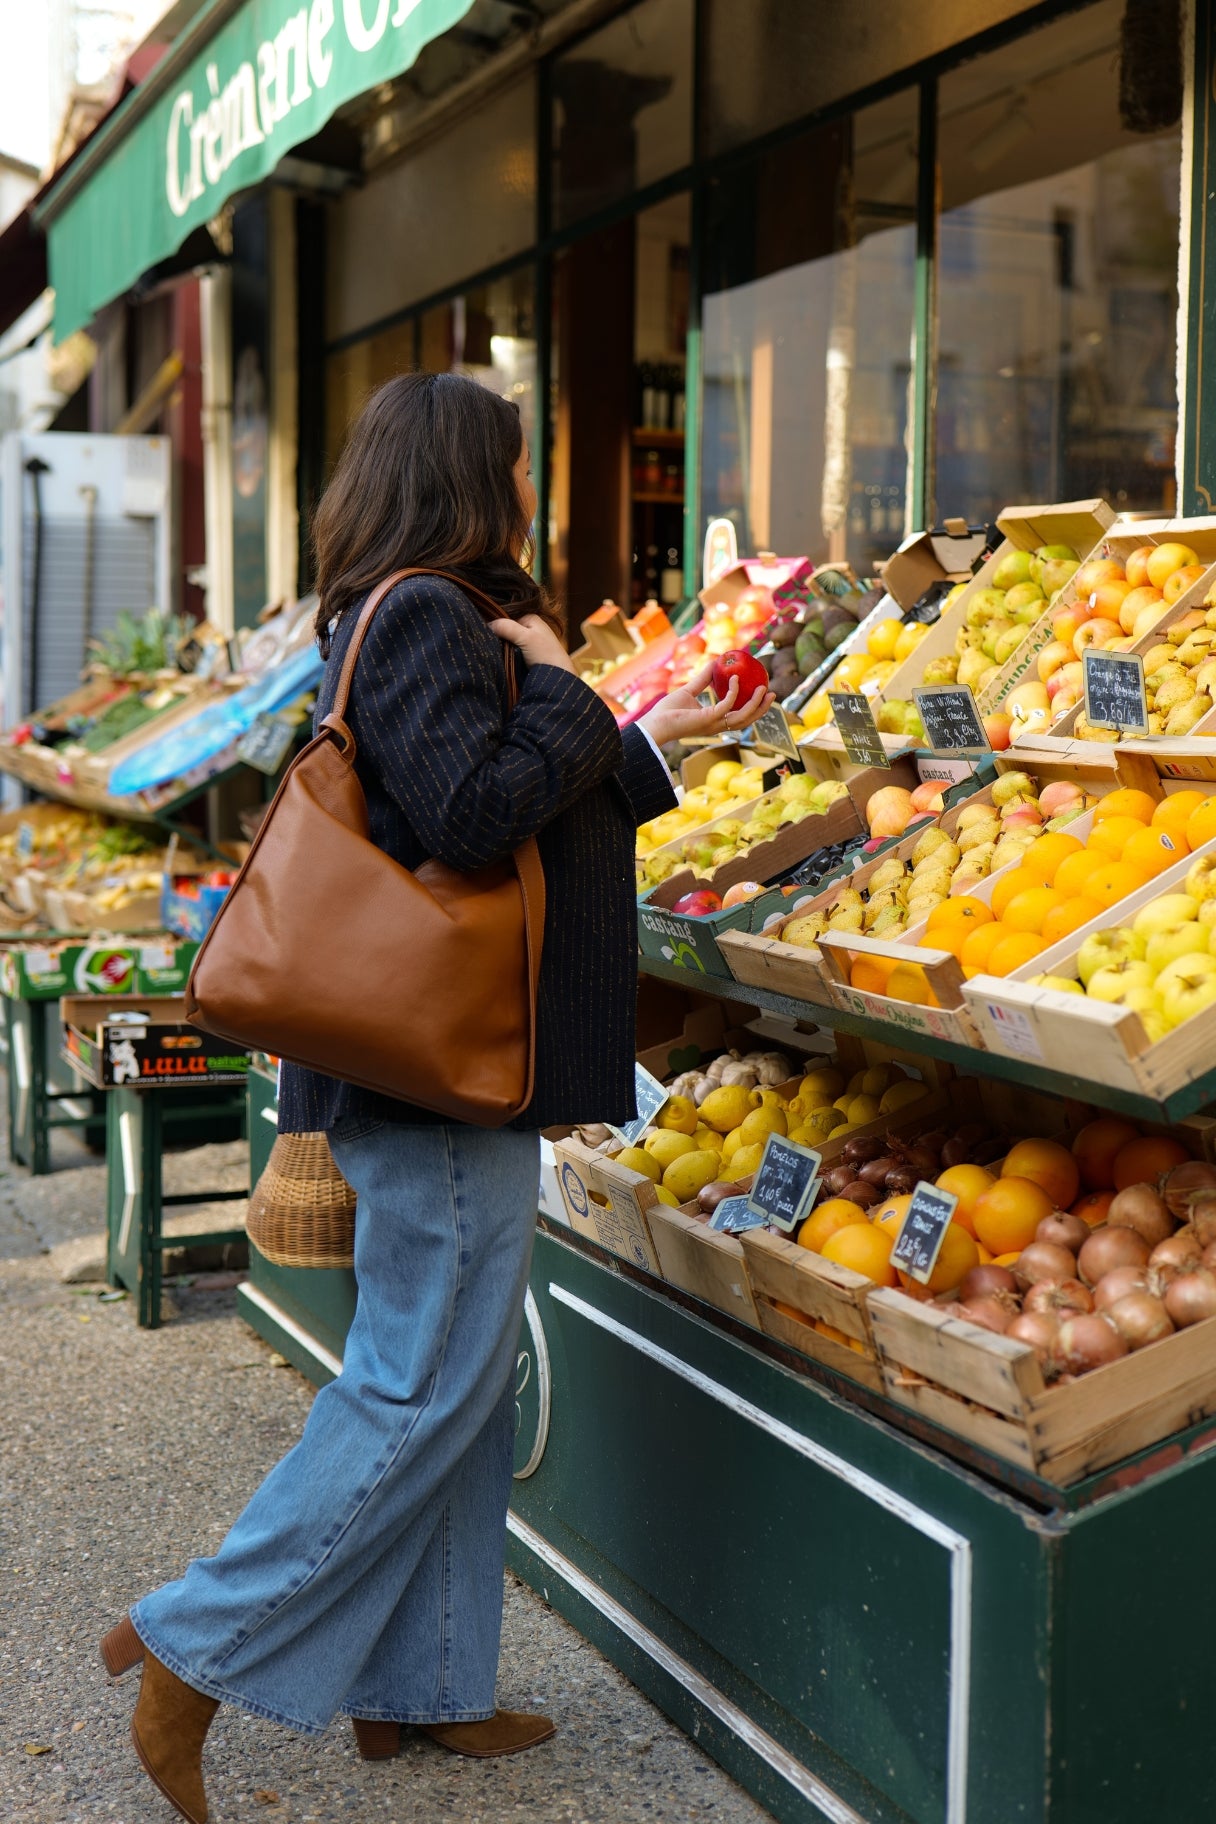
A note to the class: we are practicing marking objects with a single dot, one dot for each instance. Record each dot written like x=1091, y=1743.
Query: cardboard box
x=945, y=556
x=161, y=1052
x=46, y=970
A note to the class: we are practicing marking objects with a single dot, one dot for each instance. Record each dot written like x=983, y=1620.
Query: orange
x=1008, y=886
x=1092, y=1208
x=1027, y=911
x=1126, y=802
x=1114, y=882
x=957, y=1255
x=866, y=1249
x=1201, y=824
x=1112, y=837
x=1144, y=1159
x=948, y=937
x=1069, y=918
x=872, y=973
x=890, y=1215
x=1156, y=850
x=908, y=982
x=968, y=1183
x=1047, y=1164
x=1007, y=1215
x=820, y=1226
x=977, y=947
x=961, y=910
x=1014, y=949
x=1096, y=1146
x=1172, y=813
x=1005, y=1260
x=1048, y=852
x=1075, y=870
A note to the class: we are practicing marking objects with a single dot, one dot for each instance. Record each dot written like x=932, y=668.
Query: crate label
x=783, y=1189
x=1015, y=1030
x=734, y=1214
x=1114, y=691
x=40, y=962
x=944, y=772
x=25, y=839
x=156, y=956
x=622, y=1226
x=857, y=728
x=922, y=1232
x=651, y=1096
x=574, y=1191
x=951, y=719
x=771, y=730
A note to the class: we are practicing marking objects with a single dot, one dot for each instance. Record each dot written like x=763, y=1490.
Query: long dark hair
x=426, y=478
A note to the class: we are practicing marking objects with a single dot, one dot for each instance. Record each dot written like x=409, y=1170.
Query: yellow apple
x=1063, y=984
x=1201, y=878
x=1187, y=938
x=1186, y=987
x=1170, y=909
x=1114, y=981
x=1105, y=948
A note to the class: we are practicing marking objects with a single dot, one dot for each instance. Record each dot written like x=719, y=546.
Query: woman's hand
x=538, y=643
x=682, y=713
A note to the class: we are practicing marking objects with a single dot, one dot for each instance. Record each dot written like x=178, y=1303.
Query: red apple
x=749, y=671
x=696, y=905
x=999, y=730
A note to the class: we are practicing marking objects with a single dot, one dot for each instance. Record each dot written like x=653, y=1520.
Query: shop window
x=807, y=339
x=622, y=108
x=616, y=523
x=1057, y=286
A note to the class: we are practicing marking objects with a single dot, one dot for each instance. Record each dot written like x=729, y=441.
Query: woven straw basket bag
x=302, y=1212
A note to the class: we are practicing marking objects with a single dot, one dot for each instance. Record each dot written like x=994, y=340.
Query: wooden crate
x=950, y=1019
x=607, y=1202
x=702, y=1262
x=991, y=1393
x=782, y=1273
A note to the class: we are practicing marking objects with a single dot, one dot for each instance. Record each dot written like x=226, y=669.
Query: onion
x=876, y=1171
x=861, y=1148
x=1140, y=1318
x=1140, y=1209
x=1177, y=1255
x=1038, y=1328
x=1191, y=1297
x=1084, y=1343
x=1185, y=1182
x=987, y=1278
x=989, y=1311
x=836, y=1179
x=1059, y=1298
x=1209, y=1256
x=711, y=1195
x=923, y=1160
x=901, y=1181
x=1118, y=1283
x=956, y=1152
x=858, y=1191
x=1203, y=1220
x=1108, y=1248
x=1043, y=1260
x=1063, y=1230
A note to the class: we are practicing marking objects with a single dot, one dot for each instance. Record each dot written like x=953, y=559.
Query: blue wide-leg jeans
x=365, y=1575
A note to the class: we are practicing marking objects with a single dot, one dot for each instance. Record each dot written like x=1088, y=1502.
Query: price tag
x=783, y=1189
x=923, y=1231
x=264, y=744
x=771, y=730
x=1114, y=691
x=734, y=1214
x=951, y=719
x=25, y=839
x=651, y=1097
x=858, y=730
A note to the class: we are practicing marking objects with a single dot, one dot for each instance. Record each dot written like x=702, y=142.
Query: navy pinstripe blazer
x=449, y=773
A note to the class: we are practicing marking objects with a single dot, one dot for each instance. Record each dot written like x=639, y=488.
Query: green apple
x=1187, y=938
x=1116, y=979
x=1186, y=987
x=1160, y=914
x=1201, y=878
x=1103, y=949
x=1062, y=984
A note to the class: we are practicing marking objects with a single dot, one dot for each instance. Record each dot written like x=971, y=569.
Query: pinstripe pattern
x=448, y=775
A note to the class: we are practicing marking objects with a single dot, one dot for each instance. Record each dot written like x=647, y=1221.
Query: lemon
x=690, y=1174
x=665, y=1196
x=635, y=1160
x=901, y=1094
x=746, y=1160
x=862, y=1109
x=881, y=642
x=726, y=1107
x=666, y=1146
x=705, y=1136
x=880, y=1077
x=816, y=1127
x=732, y=1140
x=821, y=1085
x=761, y=1123
x=856, y=1084
x=842, y=1102
x=721, y=774
x=679, y=1113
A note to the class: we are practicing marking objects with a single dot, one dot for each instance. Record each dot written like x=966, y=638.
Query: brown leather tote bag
x=327, y=952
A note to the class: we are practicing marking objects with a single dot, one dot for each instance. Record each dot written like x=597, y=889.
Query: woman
x=365, y=1575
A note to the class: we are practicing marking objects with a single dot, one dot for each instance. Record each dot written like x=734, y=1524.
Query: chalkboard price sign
x=734, y=1214
x=858, y=729
x=651, y=1096
x=923, y=1231
x=783, y=1189
x=264, y=743
x=773, y=731
x=1114, y=691
x=951, y=719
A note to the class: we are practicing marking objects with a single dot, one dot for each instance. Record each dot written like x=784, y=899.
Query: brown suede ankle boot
x=168, y=1729
x=506, y=1732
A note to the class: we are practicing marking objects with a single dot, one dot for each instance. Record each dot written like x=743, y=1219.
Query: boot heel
x=122, y=1648
x=378, y=1741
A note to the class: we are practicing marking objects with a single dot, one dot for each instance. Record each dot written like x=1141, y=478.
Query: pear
x=942, y=671
x=1183, y=717
x=1008, y=644
x=847, y=896
x=1013, y=571
x=977, y=834
x=929, y=841
x=984, y=606
x=845, y=918
x=975, y=813
x=971, y=667
x=888, y=873
x=891, y=922
x=802, y=932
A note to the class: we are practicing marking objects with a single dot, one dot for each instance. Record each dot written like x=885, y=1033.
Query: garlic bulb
x=771, y=1067
x=739, y=1073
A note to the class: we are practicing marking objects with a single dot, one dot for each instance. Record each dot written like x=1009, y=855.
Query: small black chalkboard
x=734, y=1214
x=1114, y=691
x=923, y=1231
x=264, y=743
x=854, y=719
x=783, y=1189
x=951, y=719
x=773, y=731
x=651, y=1097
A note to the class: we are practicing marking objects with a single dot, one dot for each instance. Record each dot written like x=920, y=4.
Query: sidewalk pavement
x=123, y=1453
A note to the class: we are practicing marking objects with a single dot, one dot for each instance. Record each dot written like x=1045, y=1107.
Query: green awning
x=204, y=125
